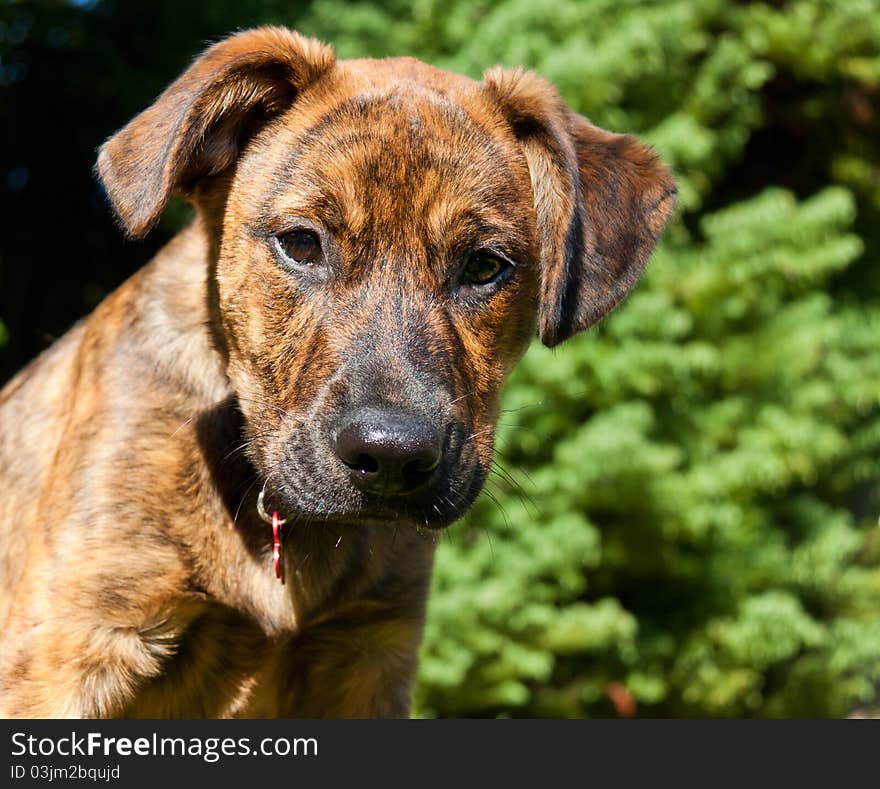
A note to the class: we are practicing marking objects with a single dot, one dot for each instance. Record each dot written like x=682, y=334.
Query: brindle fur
x=136, y=575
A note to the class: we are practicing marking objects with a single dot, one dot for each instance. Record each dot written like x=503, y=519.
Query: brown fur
x=136, y=575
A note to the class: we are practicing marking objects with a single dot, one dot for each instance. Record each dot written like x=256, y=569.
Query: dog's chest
x=214, y=666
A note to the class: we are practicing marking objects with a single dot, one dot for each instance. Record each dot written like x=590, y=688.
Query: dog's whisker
x=235, y=450
x=197, y=414
x=182, y=425
x=486, y=530
x=539, y=404
x=524, y=497
x=503, y=426
x=244, y=498
x=480, y=433
x=266, y=404
x=463, y=397
x=497, y=466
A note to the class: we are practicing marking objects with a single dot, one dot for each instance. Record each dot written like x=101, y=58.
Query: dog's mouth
x=388, y=469
x=435, y=507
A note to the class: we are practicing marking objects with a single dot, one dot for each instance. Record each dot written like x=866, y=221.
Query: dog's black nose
x=388, y=452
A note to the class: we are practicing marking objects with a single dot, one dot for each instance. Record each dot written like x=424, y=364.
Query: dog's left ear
x=601, y=202
x=197, y=126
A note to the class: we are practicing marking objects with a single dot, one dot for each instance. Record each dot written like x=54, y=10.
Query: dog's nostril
x=363, y=463
x=422, y=465
x=416, y=471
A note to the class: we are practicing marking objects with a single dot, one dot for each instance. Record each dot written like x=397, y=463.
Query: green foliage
x=686, y=501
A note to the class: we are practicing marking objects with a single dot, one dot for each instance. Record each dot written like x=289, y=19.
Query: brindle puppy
x=375, y=244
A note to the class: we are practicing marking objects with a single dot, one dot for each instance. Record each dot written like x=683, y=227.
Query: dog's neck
x=171, y=317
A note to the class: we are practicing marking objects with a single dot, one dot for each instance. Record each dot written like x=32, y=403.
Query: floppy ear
x=601, y=201
x=196, y=127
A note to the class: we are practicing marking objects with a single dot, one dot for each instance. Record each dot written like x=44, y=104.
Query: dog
x=220, y=492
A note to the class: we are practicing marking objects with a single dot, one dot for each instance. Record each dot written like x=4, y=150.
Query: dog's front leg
x=71, y=659
x=55, y=674
x=345, y=668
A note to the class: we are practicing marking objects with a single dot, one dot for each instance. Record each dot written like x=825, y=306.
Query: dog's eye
x=483, y=268
x=300, y=246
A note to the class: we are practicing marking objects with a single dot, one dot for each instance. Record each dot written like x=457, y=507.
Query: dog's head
x=387, y=237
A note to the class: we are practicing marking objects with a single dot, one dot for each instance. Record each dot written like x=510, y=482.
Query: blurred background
x=684, y=520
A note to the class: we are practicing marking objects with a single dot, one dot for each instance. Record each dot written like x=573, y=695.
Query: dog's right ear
x=195, y=128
